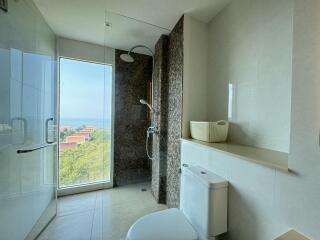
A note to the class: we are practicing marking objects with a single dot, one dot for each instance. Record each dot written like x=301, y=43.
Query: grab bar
x=35, y=148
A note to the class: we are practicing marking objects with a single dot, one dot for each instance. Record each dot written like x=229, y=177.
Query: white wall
x=250, y=47
x=195, y=52
x=85, y=51
x=264, y=202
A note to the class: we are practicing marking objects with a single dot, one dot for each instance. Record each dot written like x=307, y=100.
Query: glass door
x=85, y=125
x=27, y=160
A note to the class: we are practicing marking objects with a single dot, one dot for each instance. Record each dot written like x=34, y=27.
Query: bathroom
x=162, y=75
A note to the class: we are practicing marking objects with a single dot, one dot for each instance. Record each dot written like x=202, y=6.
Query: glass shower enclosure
x=28, y=150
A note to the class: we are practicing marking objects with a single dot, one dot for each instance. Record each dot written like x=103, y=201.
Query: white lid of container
x=206, y=177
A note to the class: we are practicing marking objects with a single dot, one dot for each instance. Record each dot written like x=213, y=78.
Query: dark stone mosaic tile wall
x=131, y=164
x=168, y=76
x=160, y=101
x=175, y=80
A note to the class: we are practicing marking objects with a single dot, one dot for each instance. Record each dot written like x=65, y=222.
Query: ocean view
x=85, y=122
x=78, y=122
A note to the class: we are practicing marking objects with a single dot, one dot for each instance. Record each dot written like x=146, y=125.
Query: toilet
x=202, y=214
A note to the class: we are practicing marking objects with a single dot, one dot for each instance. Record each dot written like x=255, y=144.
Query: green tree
x=90, y=162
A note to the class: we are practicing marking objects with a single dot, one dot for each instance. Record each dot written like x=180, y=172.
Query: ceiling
x=84, y=19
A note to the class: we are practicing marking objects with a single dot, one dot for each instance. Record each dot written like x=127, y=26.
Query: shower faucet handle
x=153, y=130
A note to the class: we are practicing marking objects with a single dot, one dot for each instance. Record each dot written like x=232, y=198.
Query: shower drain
x=143, y=189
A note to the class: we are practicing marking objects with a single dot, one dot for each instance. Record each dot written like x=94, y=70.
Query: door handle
x=47, y=131
x=34, y=148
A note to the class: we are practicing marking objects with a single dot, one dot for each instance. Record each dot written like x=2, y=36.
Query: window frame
x=87, y=187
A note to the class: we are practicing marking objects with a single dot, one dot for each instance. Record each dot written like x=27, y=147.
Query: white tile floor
x=100, y=215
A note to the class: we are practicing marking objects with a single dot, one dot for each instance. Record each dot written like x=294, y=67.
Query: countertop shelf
x=266, y=157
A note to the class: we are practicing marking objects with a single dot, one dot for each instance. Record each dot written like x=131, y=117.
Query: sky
x=85, y=90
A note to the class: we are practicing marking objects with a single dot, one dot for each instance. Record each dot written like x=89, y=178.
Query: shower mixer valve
x=152, y=130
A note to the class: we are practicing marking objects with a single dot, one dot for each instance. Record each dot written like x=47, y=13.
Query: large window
x=85, y=123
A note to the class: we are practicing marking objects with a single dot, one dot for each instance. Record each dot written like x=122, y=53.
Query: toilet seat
x=169, y=224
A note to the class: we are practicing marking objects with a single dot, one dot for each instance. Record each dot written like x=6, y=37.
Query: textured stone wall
x=168, y=76
x=160, y=101
x=175, y=79
x=131, y=164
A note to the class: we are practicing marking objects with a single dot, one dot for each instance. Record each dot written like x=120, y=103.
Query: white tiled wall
x=250, y=47
x=195, y=52
x=264, y=202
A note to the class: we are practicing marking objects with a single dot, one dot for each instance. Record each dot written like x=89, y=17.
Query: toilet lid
x=169, y=224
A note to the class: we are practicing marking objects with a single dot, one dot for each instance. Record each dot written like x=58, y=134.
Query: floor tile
x=101, y=215
x=70, y=227
x=76, y=203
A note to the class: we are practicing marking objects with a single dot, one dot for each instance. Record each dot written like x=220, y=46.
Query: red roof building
x=76, y=139
x=87, y=135
x=66, y=146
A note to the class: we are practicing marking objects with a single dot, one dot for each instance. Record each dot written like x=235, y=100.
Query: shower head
x=144, y=102
x=127, y=58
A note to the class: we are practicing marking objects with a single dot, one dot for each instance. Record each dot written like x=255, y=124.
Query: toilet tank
x=204, y=201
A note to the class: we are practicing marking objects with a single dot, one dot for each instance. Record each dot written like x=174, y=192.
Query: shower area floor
x=133, y=176
x=101, y=215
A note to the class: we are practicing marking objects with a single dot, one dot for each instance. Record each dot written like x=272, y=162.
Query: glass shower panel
x=38, y=110
x=27, y=180
x=122, y=32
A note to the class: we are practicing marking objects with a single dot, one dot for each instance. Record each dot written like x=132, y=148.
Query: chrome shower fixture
x=144, y=102
x=126, y=57
x=129, y=59
x=153, y=129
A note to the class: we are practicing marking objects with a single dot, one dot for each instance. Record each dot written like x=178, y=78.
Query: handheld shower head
x=153, y=129
x=144, y=102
